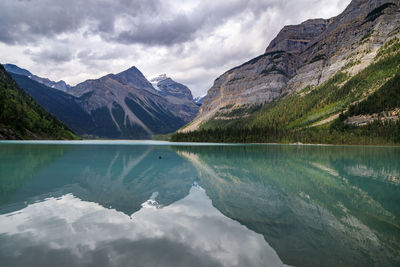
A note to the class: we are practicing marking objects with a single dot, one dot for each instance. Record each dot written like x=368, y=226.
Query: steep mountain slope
x=22, y=118
x=303, y=57
x=62, y=105
x=126, y=105
x=60, y=85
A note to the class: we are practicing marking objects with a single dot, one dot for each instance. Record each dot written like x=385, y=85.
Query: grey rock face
x=295, y=38
x=170, y=87
x=178, y=95
x=306, y=55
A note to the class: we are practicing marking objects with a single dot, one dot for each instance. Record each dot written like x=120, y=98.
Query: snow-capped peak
x=159, y=78
x=199, y=99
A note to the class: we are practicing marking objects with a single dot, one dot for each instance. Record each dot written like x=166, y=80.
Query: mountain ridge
x=60, y=85
x=122, y=105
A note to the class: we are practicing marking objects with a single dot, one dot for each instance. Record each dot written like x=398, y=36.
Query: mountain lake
x=149, y=203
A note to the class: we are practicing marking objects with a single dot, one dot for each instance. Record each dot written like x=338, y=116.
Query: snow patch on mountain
x=154, y=81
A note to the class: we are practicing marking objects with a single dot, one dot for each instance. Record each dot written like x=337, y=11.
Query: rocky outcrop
x=361, y=120
x=306, y=55
x=295, y=38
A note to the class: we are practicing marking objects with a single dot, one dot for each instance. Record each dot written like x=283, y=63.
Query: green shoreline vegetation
x=293, y=118
x=21, y=117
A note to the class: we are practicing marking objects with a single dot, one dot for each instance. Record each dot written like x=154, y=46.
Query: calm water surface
x=161, y=204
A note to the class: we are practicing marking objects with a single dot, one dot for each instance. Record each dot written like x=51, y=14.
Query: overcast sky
x=192, y=41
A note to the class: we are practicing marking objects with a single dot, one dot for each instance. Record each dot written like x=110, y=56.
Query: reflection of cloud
x=391, y=176
x=189, y=232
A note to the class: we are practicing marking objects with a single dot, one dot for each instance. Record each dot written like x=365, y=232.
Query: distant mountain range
x=123, y=105
x=325, y=80
x=60, y=85
x=64, y=106
x=199, y=100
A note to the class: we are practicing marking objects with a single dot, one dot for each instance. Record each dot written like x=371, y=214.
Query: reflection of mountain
x=122, y=177
x=306, y=202
x=70, y=232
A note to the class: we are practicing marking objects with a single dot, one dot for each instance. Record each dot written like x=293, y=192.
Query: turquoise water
x=124, y=203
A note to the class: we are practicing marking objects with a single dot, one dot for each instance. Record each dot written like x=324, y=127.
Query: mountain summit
x=169, y=87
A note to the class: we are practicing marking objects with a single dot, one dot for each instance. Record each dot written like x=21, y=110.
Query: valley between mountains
x=333, y=80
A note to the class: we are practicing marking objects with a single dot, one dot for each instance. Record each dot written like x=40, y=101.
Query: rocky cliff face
x=295, y=38
x=305, y=55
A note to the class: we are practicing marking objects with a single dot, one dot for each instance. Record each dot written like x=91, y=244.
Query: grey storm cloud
x=150, y=22
x=25, y=21
x=57, y=54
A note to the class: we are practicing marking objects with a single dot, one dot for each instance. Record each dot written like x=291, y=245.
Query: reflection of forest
x=317, y=206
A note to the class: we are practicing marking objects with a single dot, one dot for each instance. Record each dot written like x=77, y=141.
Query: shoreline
x=170, y=143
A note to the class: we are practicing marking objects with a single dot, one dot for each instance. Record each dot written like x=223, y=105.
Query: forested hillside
x=22, y=118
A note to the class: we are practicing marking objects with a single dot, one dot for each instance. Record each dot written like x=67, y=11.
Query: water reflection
x=189, y=232
x=114, y=176
x=147, y=205
x=316, y=206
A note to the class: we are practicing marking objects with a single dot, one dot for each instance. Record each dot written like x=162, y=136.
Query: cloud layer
x=192, y=41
